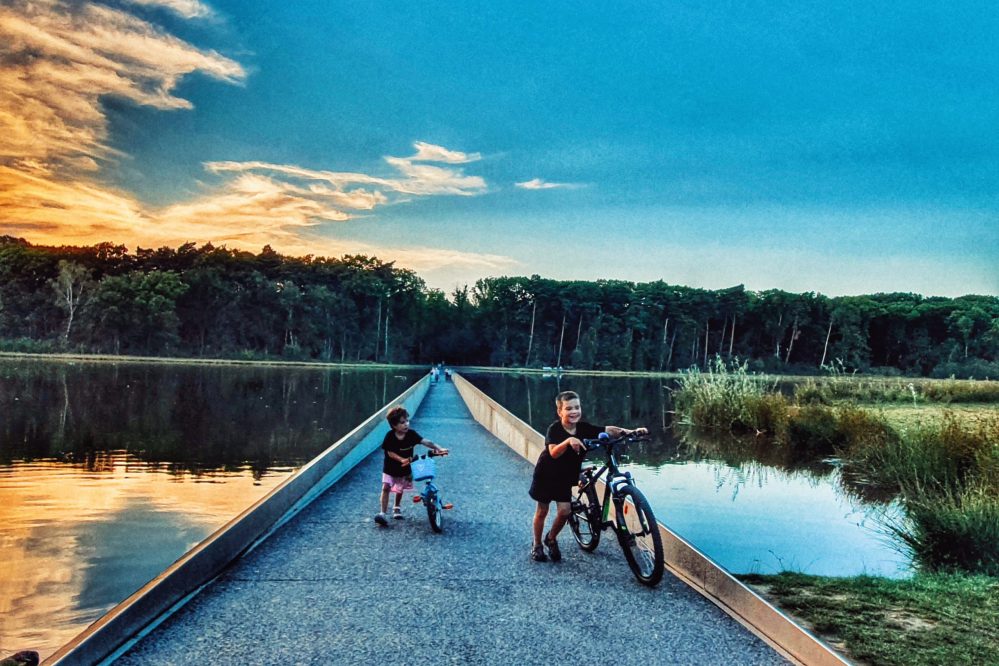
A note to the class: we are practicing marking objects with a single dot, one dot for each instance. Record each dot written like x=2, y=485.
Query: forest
x=221, y=303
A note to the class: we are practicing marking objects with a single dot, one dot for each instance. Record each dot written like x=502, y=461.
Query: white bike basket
x=423, y=468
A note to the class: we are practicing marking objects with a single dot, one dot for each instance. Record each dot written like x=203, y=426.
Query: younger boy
x=398, y=445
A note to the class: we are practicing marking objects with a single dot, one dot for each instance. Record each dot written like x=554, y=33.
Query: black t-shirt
x=403, y=447
x=565, y=468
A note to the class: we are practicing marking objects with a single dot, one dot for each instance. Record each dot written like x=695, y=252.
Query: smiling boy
x=557, y=470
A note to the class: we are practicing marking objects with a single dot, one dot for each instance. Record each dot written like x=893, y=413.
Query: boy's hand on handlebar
x=639, y=431
x=576, y=444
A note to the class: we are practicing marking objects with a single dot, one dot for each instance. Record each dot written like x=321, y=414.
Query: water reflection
x=747, y=503
x=109, y=472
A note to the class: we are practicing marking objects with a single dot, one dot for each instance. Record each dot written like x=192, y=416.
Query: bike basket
x=423, y=468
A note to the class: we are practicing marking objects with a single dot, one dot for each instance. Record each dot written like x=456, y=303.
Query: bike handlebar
x=593, y=444
x=428, y=454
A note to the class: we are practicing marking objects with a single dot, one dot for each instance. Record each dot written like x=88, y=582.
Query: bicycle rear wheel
x=584, y=521
x=641, y=540
x=434, y=510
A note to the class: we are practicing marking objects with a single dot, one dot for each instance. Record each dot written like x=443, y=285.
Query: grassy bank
x=930, y=619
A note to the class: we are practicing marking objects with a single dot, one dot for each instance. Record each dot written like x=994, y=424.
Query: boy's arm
x=434, y=447
x=615, y=431
x=557, y=450
x=398, y=458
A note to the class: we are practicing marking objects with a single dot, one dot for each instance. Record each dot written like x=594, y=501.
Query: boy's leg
x=384, y=497
x=564, y=510
x=383, y=504
x=540, y=515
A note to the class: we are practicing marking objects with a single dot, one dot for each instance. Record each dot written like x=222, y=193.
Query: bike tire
x=584, y=521
x=641, y=542
x=434, y=511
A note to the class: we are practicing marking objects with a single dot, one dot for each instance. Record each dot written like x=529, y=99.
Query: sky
x=831, y=147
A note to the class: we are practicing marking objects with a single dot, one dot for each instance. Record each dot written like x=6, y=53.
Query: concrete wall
x=682, y=559
x=184, y=578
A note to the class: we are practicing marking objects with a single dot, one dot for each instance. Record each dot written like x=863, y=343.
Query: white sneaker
x=397, y=513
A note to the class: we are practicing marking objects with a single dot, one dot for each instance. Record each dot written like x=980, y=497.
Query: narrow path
x=330, y=587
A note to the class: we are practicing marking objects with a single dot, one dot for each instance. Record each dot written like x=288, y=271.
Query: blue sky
x=832, y=147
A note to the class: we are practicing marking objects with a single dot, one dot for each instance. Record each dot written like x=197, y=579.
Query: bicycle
x=634, y=524
x=424, y=469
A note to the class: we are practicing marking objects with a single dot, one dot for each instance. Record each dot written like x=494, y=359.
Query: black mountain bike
x=634, y=523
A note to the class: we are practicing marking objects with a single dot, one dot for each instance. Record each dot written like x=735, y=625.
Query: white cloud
x=541, y=184
x=188, y=9
x=428, y=152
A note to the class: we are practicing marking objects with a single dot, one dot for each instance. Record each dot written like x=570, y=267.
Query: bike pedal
x=417, y=499
x=449, y=506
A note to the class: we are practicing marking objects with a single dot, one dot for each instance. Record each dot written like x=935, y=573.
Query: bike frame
x=612, y=485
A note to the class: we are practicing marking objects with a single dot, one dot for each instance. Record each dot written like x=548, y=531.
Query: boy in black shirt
x=557, y=470
x=398, y=445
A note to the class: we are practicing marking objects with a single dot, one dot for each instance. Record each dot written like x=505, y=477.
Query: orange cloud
x=59, y=59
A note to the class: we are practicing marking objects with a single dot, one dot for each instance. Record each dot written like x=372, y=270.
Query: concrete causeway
x=330, y=587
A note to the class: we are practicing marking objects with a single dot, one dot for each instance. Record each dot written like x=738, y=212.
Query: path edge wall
x=681, y=558
x=184, y=578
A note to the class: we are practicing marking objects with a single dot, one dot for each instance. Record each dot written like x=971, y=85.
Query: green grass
x=928, y=620
x=840, y=387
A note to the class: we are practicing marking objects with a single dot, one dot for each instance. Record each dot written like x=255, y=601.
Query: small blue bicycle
x=425, y=469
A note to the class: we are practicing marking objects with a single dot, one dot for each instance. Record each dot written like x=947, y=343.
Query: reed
x=729, y=397
x=951, y=530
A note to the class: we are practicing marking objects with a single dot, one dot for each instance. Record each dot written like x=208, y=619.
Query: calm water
x=751, y=508
x=111, y=471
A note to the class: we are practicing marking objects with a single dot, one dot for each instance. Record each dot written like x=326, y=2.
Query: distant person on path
x=398, y=445
x=557, y=470
x=434, y=372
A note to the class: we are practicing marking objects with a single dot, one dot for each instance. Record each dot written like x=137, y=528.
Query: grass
x=929, y=619
x=843, y=387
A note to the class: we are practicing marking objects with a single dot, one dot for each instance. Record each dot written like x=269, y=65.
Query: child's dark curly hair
x=396, y=414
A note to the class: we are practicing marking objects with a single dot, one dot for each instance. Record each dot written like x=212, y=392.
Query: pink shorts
x=397, y=484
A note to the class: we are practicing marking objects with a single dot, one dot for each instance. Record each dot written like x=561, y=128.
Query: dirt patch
x=908, y=621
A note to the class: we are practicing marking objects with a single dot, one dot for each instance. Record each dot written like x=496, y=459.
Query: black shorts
x=548, y=488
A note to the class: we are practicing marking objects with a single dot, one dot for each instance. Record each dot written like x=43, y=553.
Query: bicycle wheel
x=641, y=541
x=434, y=510
x=584, y=521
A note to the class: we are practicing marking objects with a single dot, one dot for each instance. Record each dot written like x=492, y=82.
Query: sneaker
x=381, y=519
x=397, y=513
x=538, y=554
x=553, y=552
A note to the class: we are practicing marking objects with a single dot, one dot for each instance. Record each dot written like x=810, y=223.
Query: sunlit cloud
x=418, y=177
x=247, y=213
x=59, y=60
x=428, y=152
x=541, y=184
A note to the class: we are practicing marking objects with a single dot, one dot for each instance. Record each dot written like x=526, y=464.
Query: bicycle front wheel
x=584, y=521
x=640, y=538
x=433, y=502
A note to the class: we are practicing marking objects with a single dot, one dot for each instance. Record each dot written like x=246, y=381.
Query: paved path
x=330, y=587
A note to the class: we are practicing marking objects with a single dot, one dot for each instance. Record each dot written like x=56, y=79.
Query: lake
x=751, y=507
x=110, y=471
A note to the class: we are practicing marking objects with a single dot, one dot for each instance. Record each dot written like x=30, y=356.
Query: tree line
x=216, y=302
